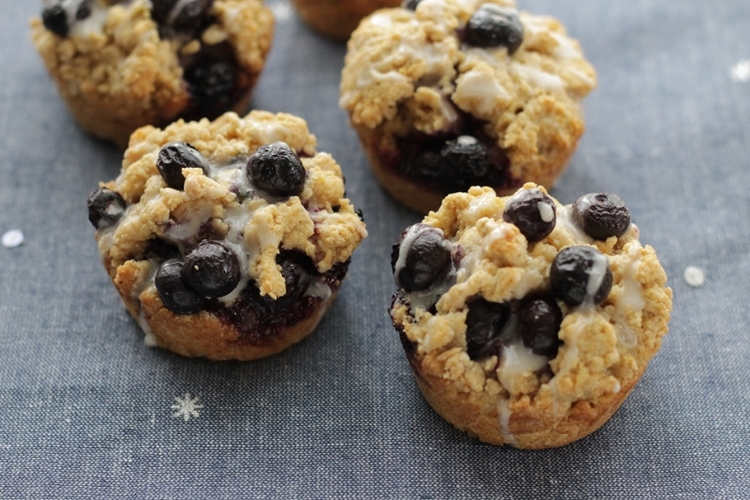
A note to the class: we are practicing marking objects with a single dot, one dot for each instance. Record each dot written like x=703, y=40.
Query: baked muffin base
x=204, y=334
x=480, y=416
x=423, y=198
x=338, y=18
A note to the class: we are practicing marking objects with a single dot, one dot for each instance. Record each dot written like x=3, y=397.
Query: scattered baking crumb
x=741, y=71
x=281, y=11
x=12, y=238
x=694, y=276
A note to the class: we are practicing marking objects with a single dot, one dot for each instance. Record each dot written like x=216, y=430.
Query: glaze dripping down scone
x=527, y=322
x=449, y=94
x=123, y=64
x=226, y=239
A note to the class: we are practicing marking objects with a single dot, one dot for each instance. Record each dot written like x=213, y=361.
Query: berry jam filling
x=451, y=160
x=260, y=319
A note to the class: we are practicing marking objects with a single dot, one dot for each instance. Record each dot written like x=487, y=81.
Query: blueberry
x=540, y=323
x=533, y=212
x=277, y=170
x=494, y=26
x=175, y=156
x=465, y=158
x=210, y=80
x=410, y=4
x=84, y=10
x=420, y=258
x=160, y=10
x=580, y=275
x=105, y=207
x=55, y=19
x=212, y=268
x=484, y=324
x=297, y=273
x=174, y=292
x=602, y=215
x=160, y=249
x=191, y=16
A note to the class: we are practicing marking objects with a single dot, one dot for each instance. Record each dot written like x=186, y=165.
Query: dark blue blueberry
x=105, y=207
x=533, y=212
x=410, y=4
x=212, y=268
x=55, y=19
x=296, y=268
x=210, y=80
x=420, y=258
x=174, y=292
x=540, y=323
x=84, y=10
x=494, y=26
x=277, y=170
x=465, y=158
x=580, y=274
x=602, y=215
x=175, y=156
x=484, y=324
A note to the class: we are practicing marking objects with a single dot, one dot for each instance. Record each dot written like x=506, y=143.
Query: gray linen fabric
x=86, y=407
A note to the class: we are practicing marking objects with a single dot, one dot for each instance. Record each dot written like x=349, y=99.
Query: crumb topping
x=604, y=347
x=320, y=222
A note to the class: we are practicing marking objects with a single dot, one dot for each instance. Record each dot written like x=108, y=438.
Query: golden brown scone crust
x=338, y=18
x=605, y=349
x=406, y=72
x=125, y=76
x=320, y=223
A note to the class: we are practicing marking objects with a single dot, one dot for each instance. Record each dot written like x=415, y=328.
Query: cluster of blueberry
x=212, y=269
x=579, y=276
x=211, y=74
x=465, y=157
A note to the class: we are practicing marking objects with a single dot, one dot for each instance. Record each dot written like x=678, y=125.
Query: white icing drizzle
x=504, y=414
x=596, y=277
x=482, y=88
x=149, y=339
x=566, y=222
x=480, y=204
x=538, y=77
x=425, y=298
x=320, y=289
x=381, y=20
x=411, y=234
x=631, y=296
x=518, y=359
x=545, y=211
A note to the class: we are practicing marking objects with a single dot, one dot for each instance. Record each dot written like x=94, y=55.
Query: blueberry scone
x=338, y=18
x=122, y=64
x=449, y=94
x=527, y=322
x=226, y=239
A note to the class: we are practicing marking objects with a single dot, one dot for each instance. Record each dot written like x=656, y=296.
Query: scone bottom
x=446, y=95
x=203, y=77
x=527, y=322
x=228, y=254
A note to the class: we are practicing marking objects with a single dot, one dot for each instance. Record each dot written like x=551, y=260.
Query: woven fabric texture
x=86, y=408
